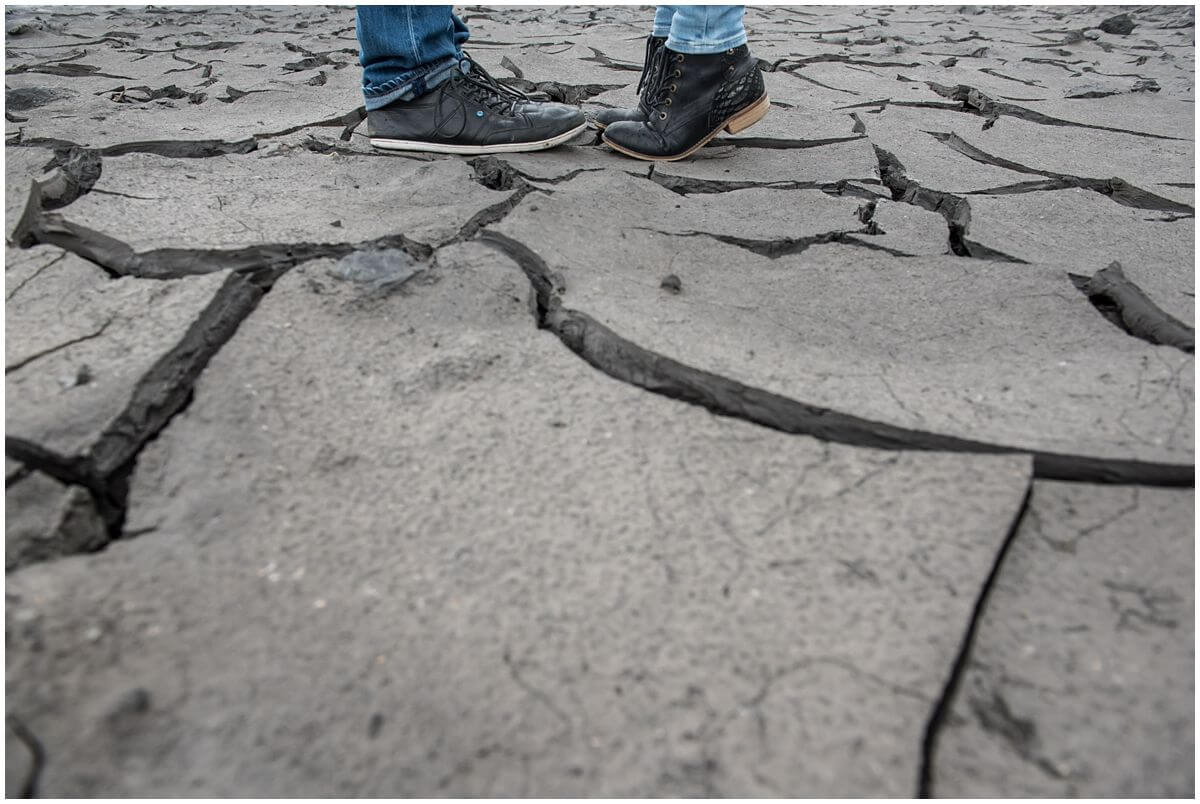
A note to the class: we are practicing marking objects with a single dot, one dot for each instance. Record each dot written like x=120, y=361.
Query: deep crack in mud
x=629, y=362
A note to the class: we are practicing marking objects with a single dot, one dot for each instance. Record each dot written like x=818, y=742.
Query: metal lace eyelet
x=674, y=87
x=662, y=115
x=678, y=74
x=730, y=51
x=668, y=101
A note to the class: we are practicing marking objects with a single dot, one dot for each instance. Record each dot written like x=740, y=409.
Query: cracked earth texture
x=852, y=456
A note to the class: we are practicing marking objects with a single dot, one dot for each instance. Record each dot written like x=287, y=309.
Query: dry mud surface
x=837, y=460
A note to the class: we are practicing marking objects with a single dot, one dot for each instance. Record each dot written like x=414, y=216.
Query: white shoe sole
x=499, y=148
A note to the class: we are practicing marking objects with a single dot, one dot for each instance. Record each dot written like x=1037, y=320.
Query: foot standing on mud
x=698, y=78
x=423, y=93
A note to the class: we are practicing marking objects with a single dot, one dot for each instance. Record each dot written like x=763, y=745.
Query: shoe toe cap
x=551, y=119
x=633, y=134
x=561, y=114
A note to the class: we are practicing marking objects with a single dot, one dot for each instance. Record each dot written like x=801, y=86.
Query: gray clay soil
x=836, y=460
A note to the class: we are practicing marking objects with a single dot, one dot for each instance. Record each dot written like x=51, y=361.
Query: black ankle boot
x=645, y=86
x=696, y=97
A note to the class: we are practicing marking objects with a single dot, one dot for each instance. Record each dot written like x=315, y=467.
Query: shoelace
x=648, y=59
x=481, y=86
x=658, y=91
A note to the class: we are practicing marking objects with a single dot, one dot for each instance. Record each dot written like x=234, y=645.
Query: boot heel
x=749, y=116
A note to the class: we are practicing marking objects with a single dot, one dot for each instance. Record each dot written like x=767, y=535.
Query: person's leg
x=707, y=82
x=706, y=29
x=424, y=94
x=406, y=51
x=662, y=21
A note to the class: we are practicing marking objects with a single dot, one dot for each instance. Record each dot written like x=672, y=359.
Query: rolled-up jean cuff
x=703, y=48
x=412, y=85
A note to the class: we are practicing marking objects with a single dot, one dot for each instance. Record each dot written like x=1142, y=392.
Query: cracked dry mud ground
x=839, y=459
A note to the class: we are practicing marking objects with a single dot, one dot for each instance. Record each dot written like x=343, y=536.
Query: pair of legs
x=406, y=51
x=424, y=93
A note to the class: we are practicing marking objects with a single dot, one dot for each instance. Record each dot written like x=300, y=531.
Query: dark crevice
x=610, y=63
x=493, y=214
x=1127, y=306
x=955, y=210
x=1057, y=63
x=161, y=394
x=780, y=144
x=67, y=469
x=173, y=149
x=262, y=263
x=979, y=251
x=998, y=74
x=196, y=149
x=941, y=710
x=1117, y=189
x=77, y=169
x=146, y=94
x=975, y=102
x=162, y=391
x=16, y=476
x=233, y=93
x=572, y=94
x=494, y=174
x=65, y=71
x=788, y=65
x=787, y=246
x=37, y=755
x=167, y=387
x=684, y=185
x=626, y=361
x=883, y=103
x=75, y=173
x=497, y=174
x=348, y=122
x=822, y=84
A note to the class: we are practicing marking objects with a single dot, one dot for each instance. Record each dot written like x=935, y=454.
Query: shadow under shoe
x=473, y=113
x=651, y=69
x=697, y=97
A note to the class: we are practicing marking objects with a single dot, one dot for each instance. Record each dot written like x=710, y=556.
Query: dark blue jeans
x=406, y=51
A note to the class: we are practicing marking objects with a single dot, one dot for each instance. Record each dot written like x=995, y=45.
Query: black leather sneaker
x=646, y=83
x=473, y=113
x=696, y=97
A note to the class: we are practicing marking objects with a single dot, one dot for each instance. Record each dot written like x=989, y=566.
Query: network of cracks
x=610, y=258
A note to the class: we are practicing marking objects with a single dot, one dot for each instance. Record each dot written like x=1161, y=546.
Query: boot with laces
x=473, y=113
x=694, y=99
x=603, y=118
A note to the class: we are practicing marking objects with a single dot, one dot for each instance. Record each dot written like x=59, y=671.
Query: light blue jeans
x=406, y=51
x=700, y=29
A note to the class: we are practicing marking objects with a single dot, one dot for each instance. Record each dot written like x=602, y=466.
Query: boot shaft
x=702, y=90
